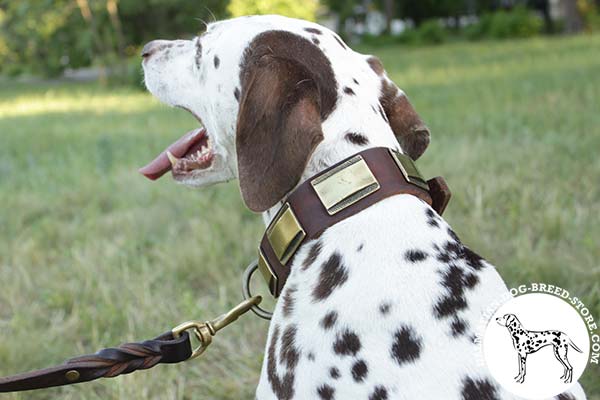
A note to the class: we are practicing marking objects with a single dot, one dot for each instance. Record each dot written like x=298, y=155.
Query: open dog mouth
x=193, y=151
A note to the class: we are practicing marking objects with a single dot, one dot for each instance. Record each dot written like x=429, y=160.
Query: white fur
x=379, y=272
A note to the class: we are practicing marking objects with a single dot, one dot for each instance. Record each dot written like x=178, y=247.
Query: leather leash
x=169, y=348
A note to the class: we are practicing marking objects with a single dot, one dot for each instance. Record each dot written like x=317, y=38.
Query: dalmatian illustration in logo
x=527, y=342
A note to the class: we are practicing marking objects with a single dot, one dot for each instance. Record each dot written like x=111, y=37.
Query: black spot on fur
x=347, y=344
x=356, y=138
x=333, y=275
x=384, y=308
x=456, y=281
x=329, y=320
x=217, y=61
x=311, y=356
x=314, y=30
x=288, y=300
x=359, y=370
x=334, y=373
x=415, y=255
x=478, y=390
x=453, y=235
x=316, y=41
x=337, y=39
x=406, y=346
x=288, y=352
x=379, y=393
x=355, y=81
x=349, y=91
x=282, y=387
x=325, y=392
x=432, y=218
x=453, y=252
x=198, y=56
x=473, y=259
x=313, y=253
x=360, y=247
x=236, y=94
x=565, y=396
x=459, y=326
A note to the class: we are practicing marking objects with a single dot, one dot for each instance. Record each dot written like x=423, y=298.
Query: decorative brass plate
x=266, y=271
x=409, y=169
x=345, y=185
x=285, y=234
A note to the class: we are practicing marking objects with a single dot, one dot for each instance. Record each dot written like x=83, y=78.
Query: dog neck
x=514, y=328
x=336, y=194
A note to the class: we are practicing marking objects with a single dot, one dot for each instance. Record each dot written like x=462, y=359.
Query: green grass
x=92, y=254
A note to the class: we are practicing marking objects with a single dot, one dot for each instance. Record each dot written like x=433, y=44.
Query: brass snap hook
x=201, y=331
x=256, y=309
x=204, y=331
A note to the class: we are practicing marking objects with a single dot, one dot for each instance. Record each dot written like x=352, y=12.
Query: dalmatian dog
x=527, y=342
x=383, y=305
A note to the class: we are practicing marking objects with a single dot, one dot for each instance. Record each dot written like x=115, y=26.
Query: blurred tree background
x=90, y=250
x=46, y=37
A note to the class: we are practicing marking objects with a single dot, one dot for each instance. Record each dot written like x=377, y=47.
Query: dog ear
x=406, y=124
x=278, y=128
x=408, y=127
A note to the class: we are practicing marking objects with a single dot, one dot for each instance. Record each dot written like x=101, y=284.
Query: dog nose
x=151, y=48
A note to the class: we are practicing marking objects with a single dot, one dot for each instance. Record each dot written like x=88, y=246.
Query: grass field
x=92, y=254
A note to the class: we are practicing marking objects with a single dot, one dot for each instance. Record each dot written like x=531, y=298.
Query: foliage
x=431, y=32
x=423, y=10
x=131, y=75
x=92, y=254
x=41, y=37
x=379, y=40
x=516, y=23
x=343, y=8
x=169, y=19
x=46, y=36
x=590, y=14
x=305, y=9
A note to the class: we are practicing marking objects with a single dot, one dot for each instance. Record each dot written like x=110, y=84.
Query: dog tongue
x=161, y=164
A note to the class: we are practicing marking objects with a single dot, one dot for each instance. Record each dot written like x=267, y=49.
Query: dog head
x=279, y=99
x=508, y=320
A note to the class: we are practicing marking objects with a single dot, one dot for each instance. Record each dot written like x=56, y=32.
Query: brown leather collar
x=336, y=194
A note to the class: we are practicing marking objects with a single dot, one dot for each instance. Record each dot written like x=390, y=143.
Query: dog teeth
x=172, y=158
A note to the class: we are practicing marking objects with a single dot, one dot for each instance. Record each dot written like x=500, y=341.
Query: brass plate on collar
x=345, y=185
x=266, y=271
x=409, y=169
x=285, y=234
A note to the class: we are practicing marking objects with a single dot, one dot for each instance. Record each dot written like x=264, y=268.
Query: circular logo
x=536, y=346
